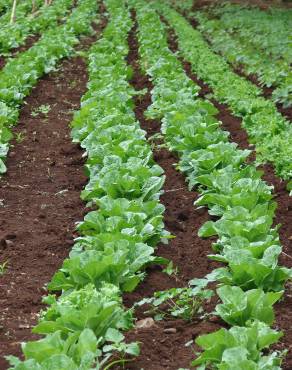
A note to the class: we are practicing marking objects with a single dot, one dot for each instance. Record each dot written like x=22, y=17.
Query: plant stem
x=116, y=362
x=13, y=12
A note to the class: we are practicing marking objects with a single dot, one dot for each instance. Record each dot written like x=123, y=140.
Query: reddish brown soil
x=40, y=200
x=159, y=348
x=283, y=213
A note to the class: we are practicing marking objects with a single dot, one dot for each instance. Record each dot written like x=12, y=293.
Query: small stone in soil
x=145, y=323
x=170, y=330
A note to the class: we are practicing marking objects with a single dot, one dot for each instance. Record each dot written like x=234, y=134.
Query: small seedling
x=117, y=347
x=42, y=109
x=3, y=268
x=73, y=84
x=170, y=269
x=185, y=303
x=19, y=137
x=156, y=142
x=157, y=136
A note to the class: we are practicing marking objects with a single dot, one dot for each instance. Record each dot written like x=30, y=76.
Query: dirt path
x=39, y=199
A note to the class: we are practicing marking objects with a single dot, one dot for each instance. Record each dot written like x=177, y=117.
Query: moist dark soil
x=281, y=195
x=163, y=344
x=40, y=199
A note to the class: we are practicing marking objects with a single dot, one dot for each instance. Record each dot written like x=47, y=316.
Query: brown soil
x=284, y=201
x=40, y=200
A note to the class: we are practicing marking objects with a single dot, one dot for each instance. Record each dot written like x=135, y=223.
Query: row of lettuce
x=82, y=327
x=266, y=127
x=234, y=193
x=12, y=35
x=20, y=74
x=267, y=30
x=239, y=50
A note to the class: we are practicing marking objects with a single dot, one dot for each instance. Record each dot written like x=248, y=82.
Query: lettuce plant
x=239, y=307
x=239, y=348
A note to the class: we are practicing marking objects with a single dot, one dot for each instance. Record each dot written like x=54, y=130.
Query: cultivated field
x=146, y=185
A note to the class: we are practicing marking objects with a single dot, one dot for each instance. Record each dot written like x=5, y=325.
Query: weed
x=3, y=267
x=42, y=109
x=19, y=137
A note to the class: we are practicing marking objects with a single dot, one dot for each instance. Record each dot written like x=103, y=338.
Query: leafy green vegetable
x=231, y=188
x=239, y=348
x=238, y=306
x=248, y=272
x=12, y=35
x=266, y=127
x=21, y=73
x=81, y=326
x=240, y=46
x=85, y=308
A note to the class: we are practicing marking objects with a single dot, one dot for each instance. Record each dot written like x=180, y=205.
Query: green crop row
x=22, y=73
x=268, y=30
x=184, y=6
x=4, y=6
x=234, y=193
x=23, y=9
x=266, y=127
x=82, y=327
x=15, y=34
x=271, y=71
